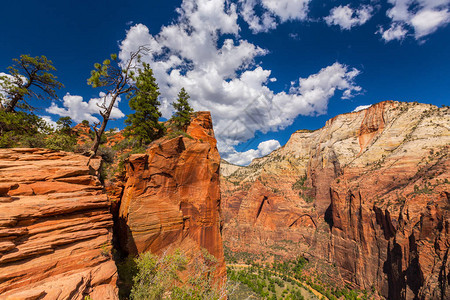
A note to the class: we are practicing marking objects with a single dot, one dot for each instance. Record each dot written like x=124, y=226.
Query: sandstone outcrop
x=85, y=135
x=368, y=193
x=55, y=227
x=170, y=195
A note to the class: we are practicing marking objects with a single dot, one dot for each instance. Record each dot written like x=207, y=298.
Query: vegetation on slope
x=288, y=279
x=170, y=276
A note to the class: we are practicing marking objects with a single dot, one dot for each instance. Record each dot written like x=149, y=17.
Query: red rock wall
x=395, y=221
x=171, y=195
x=375, y=205
x=55, y=227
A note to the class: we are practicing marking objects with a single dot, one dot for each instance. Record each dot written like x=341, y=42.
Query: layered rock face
x=55, y=227
x=171, y=196
x=368, y=193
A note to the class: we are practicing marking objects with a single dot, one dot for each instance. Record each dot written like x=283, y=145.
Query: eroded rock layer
x=55, y=227
x=368, y=193
x=171, y=195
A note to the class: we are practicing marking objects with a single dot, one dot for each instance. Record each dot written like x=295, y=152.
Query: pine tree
x=183, y=110
x=143, y=124
x=29, y=77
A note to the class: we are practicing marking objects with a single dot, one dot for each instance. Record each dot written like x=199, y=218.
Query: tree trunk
x=98, y=138
x=11, y=104
x=99, y=133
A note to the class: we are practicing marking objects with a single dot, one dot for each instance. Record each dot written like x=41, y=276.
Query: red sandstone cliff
x=55, y=227
x=171, y=195
x=368, y=194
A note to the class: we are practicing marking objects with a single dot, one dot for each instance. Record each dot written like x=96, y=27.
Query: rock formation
x=55, y=227
x=171, y=195
x=368, y=193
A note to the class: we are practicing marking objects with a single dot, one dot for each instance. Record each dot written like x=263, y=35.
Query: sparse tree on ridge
x=143, y=123
x=117, y=79
x=28, y=77
x=183, y=110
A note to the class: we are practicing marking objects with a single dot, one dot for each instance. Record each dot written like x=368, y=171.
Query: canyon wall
x=55, y=227
x=170, y=195
x=368, y=194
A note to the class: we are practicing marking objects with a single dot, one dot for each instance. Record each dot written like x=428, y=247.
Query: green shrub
x=308, y=199
x=21, y=129
x=300, y=184
x=158, y=277
x=126, y=269
x=177, y=133
x=60, y=141
x=106, y=153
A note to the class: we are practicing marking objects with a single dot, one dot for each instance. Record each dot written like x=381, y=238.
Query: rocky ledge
x=55, y=227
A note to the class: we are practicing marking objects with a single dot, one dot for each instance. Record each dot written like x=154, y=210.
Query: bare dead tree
x=117, y=79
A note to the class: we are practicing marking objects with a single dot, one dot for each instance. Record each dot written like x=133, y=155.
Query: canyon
x=365, y=198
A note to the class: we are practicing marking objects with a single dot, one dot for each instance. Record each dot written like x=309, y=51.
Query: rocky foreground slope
x=368, y=194
x=55, y=227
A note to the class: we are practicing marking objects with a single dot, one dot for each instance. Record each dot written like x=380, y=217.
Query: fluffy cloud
x=346, y=17
x=395, y=32
x=423, y=17
x=361, y=107
x=287, y=9
x=221, y=75
x=245, y=158
x=79, y=110
x=273, y=10
x=428, y=21
x=2, y=92
x=48, y=120
x=256, y=23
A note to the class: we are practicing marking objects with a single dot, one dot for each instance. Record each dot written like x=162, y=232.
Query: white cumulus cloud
x=421, y=17
x=428, y=21
x=361, y=107
x=347, y=17
x=246, y=157
x=222, y=75
x=395, y=32
x=256, y=23
x=288, y=9
x=48, y=120
x=273, y=11
x=78, y=110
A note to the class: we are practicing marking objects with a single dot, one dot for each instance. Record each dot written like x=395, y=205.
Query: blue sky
x=264, y=68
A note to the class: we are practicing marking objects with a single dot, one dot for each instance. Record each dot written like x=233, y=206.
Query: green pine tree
x=143, y=124
x=29, y=77
x=183, y=110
